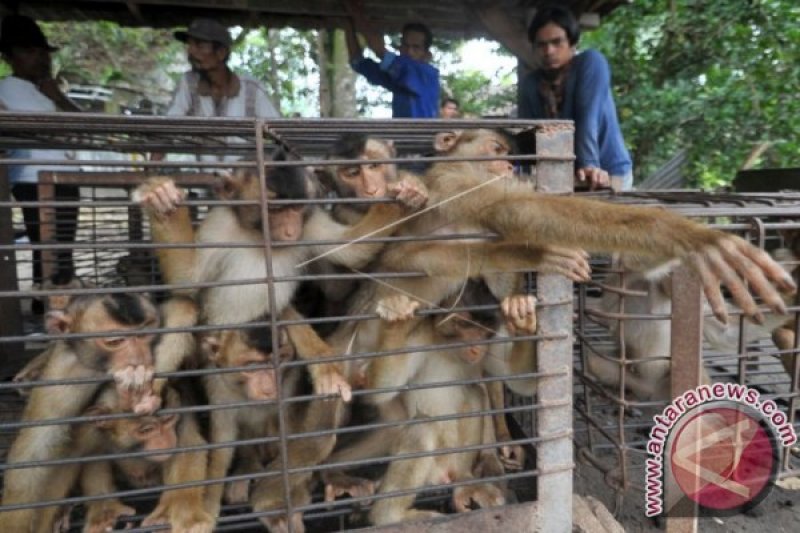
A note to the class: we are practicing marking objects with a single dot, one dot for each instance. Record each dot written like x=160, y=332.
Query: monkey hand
x=485, y=495
x=237, y=492
x=279, y=524
x=410, y=191
x=103, y=516
x=737, y=264
x=135, y=389
x=512, y=457
x=340, y=484
x=519, y=311
x=328, y=379
x=397, y=308
x=159, y=195
x=570, y=262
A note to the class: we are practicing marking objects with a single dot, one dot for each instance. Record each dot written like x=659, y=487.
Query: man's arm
x=49, y=87
x=355, y=8
x=593, y=84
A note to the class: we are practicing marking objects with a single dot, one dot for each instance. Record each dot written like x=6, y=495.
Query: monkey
x=183, y=508
x=243, y=224
x=420, y=368
x=128, y=358
x=531, y=222
x=236, y=348
x=784, y=336
x=649, y=340
x=369, y=180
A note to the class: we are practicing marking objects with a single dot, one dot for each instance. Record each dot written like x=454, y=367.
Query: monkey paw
x=512, y=457
x=743, y=269
x=191, y=521
x=410, y=191
x=570, y=262
x=328, y=379
x=485, y=495
x=135, y=389
x=397, y=308
x=341, y=484
x=279, y=524
x=159, y=195
x=237, y=491
x=103, y=517
x=519, y=311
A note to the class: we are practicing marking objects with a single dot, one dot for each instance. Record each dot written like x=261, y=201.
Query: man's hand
x=595, y=178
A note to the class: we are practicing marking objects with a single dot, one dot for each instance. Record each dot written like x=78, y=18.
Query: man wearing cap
x=211, y=89
x=32, y=88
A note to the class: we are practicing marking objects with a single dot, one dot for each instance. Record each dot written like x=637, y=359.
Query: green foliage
x=717, y=77
x=104, y=53
x=284, y=59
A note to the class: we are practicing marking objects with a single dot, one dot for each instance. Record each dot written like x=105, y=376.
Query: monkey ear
x=224, y=186
x=57, y=321
x=446, y=140
x=168, y=421
x=211, y=347
x=100, y=410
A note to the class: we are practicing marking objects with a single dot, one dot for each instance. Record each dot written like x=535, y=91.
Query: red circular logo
x=724, y=458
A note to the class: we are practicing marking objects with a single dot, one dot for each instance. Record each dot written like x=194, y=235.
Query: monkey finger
x=711, y=287
x=741, y=260
x=728, y=277
x=770, y=267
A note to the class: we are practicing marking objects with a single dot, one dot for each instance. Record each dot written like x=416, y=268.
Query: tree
x=719, y=78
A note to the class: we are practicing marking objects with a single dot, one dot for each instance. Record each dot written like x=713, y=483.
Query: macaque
x=59, y=281
x=242, y=224
x=420, y=368
x=530, y=224
x=648, y=341
x=253, y=348
x=183, y=508
x=370, y=180
x=784, y=336
x=128, y=358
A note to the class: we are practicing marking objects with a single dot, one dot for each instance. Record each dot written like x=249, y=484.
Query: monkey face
x=157, y=433
x=460, y=327
x=363, y=181
x=499, y=167
x=286, y=223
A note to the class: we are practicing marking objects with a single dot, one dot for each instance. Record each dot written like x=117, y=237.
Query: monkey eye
x=146, y=429
x=350, y=172
x=374, y=166
x=114, y=342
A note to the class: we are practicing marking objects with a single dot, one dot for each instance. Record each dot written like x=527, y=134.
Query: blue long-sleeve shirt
x=414, y=84
x=589, y=102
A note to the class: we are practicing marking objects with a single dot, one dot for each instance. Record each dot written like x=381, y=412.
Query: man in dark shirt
x=413, y=81
x=576, y=86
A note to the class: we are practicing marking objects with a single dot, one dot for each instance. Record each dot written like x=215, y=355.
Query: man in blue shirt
x=413, y=81
x=576, y=86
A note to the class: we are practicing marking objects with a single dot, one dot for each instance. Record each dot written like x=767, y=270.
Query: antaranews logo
x=717, y=445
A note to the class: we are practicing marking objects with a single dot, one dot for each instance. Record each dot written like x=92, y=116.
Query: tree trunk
x=342, y=80
x=323, y=61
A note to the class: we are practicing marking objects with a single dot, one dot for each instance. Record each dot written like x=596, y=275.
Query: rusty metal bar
x=555, y=489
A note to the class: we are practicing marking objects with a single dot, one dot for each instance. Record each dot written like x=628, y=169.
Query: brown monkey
x=253, y=347
x=522, y=217
x=182, y=509
x=784, y=336
x=419, y=368
x=243, y=224
x=128, y=358
x=368, y=180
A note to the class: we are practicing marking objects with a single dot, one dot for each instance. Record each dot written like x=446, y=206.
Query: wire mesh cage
x=156, y=395
x=628, y=332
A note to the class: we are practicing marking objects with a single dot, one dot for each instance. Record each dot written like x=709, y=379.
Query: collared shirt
x=17, y=94
x=414, y=84
x=589, y=102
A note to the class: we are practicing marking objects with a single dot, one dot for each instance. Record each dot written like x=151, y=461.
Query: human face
x=412, y=44
x=203, y=55
x=553, y=47
x=450, y=110
x=30, y=63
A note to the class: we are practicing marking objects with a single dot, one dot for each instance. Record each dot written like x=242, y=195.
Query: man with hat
x=32, y=88
x=211, y=88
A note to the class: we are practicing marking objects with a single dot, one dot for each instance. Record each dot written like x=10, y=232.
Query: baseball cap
x=206, y=30
x=19, y=30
